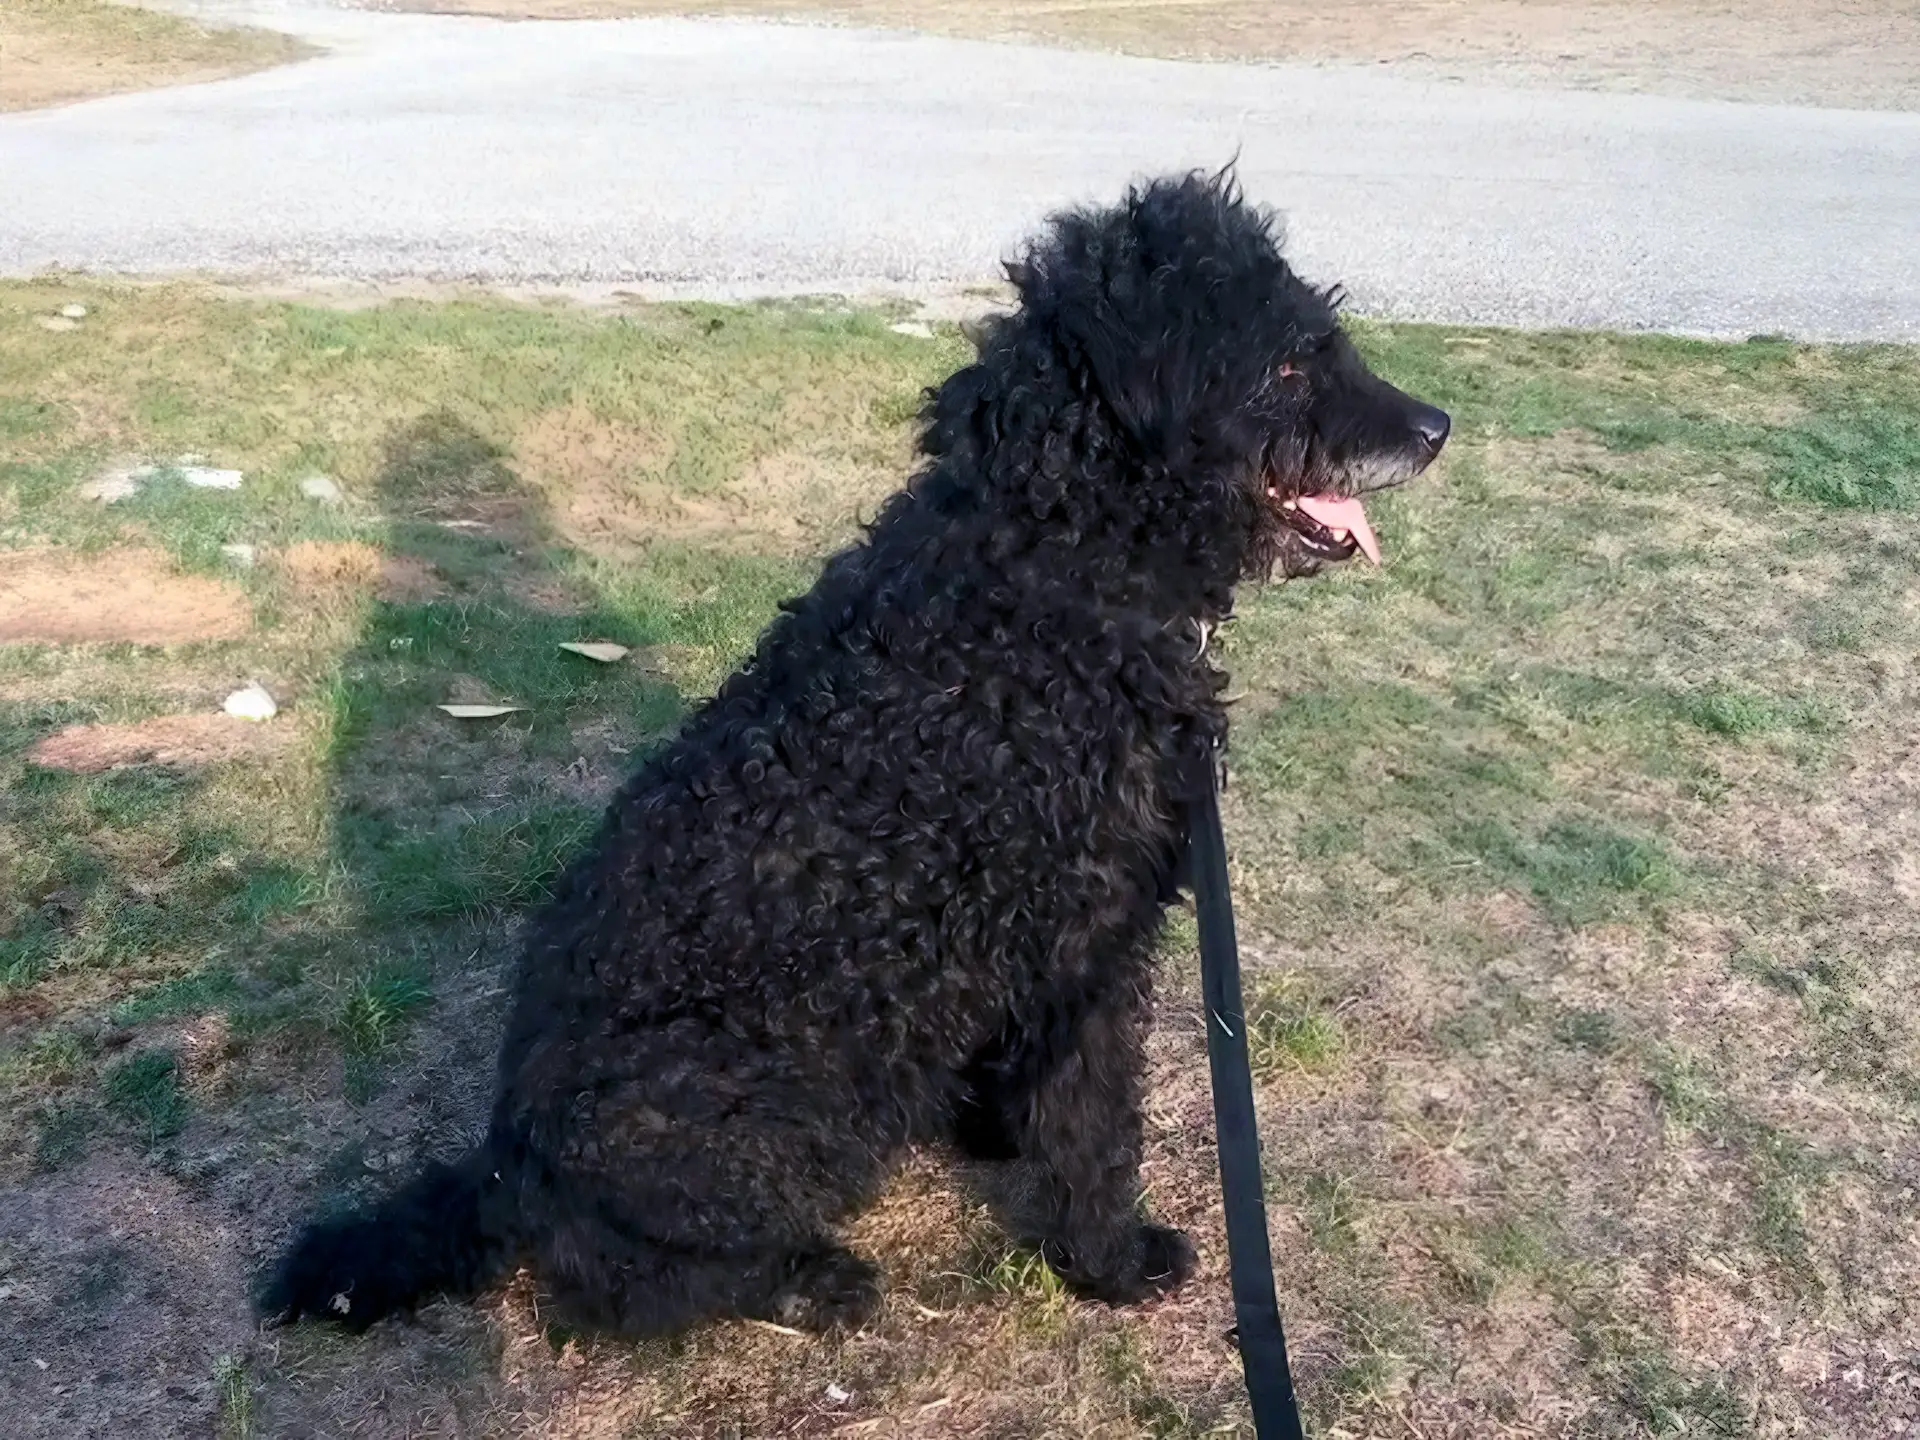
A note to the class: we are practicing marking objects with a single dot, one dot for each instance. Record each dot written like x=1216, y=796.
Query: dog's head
x=1168, y=376
x=1336, y=433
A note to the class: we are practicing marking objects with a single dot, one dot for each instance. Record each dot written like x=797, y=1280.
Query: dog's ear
x=1136, y=357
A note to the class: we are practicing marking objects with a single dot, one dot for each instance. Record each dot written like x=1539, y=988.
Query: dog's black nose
x=1432, y=426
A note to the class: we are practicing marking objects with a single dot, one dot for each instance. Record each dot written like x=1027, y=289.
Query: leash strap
x=1263, y=1344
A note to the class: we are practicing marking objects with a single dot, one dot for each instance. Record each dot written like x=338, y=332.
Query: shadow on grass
x=186, y=893
x=442, y=827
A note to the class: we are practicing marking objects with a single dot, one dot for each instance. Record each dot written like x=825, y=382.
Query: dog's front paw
x=1158, y=1260
x=1167, y=1258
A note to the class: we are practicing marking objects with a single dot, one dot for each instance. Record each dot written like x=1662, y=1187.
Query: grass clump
x=145, y=1090
x=1578, y=871
x=377, y=1007
x=1286, y=1035
x=1853, y=459
x=1736, y=713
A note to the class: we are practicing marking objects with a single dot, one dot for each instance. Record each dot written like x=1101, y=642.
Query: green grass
x=1560, y=843
x=196, y=994
x=1663, y=1397
x=1737, y=714
x=128, y=874
x=236, y=1398
x=1286, y=1031
x=377, y=1006
x=1158, y=1415
x=145, y=1091
x=1331, y=1210
x=1577, y=871
x=1018, y=1273
x=1859, y=459
x=1487, y=1258
x=1594, y=1030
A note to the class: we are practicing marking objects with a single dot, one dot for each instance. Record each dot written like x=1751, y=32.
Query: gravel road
x=729, y=158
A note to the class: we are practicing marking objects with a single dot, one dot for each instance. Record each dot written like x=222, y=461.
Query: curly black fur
x=899, y=879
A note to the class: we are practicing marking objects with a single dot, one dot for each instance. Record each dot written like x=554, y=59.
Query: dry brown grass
x=54, y=52
x=1858, y=55
x=176, y=741
x=355, y=565
x=135, y=595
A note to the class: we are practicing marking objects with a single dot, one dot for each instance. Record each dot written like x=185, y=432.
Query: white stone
x=241, y=555
x=251, y=703
x=321, y=488
x=204, y=477
x=116, y=482
x=58, y=323
x=914, y=328
x=73, y=312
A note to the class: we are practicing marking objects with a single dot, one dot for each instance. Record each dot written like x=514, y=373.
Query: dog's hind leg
x=987, y=1121
x=600, y=1279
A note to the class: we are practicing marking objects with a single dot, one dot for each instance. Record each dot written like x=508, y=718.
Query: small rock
x=203, y=477
x=914, y=328
x=321, y=488
x=73, y=312
x=838, y=1394
x=252, y=703
x=38, y=1363
x=124, y=478
x=116, y=482
x=241, y=555
x=58, y=323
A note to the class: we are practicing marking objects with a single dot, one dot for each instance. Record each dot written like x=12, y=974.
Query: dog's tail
x=448, y=1232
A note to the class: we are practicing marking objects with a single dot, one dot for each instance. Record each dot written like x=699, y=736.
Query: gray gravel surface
x=732, y=158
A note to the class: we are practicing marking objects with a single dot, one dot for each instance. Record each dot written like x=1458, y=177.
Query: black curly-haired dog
x=899, y=879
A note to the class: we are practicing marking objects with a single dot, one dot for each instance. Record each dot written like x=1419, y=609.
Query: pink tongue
x=1343, y=517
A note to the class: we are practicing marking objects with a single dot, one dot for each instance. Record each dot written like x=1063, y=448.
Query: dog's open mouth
x=1330, y=527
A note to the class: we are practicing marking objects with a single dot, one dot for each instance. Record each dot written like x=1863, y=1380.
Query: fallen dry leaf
x=605, y=651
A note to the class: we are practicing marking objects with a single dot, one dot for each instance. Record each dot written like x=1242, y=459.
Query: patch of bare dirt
x=124, y=1288
x=356, y=565
x=136, y=596
x=563, y=450
x=182, y=740
x=551, y=594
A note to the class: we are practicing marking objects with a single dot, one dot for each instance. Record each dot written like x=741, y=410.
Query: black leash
x=1263, y=1344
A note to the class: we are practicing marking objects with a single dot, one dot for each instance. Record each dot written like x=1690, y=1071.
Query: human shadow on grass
x=240, y=973
x=447, y=827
